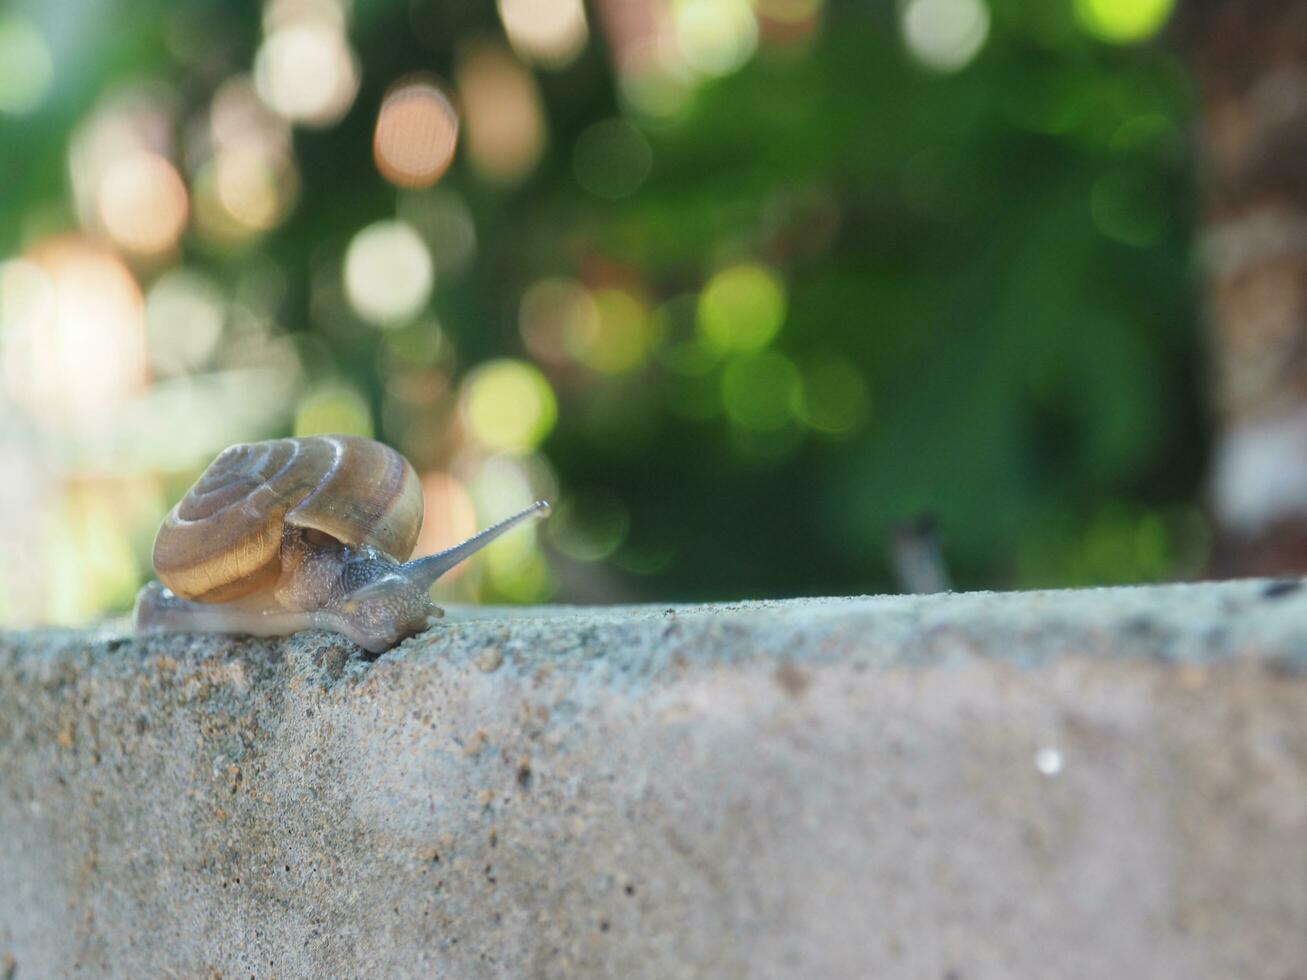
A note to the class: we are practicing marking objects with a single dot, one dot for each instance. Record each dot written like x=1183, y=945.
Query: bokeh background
x=743, y=285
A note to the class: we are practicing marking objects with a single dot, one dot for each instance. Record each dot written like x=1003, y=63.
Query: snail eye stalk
x=424, y=571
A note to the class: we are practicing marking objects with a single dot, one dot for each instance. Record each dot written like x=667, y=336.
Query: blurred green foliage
x=985, y=308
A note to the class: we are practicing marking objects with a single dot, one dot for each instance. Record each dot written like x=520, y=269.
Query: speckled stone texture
x=1108, y=783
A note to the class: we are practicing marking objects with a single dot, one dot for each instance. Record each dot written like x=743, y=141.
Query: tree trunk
x=1249, y=60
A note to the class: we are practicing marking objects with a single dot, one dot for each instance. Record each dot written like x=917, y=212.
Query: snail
x=306, y=533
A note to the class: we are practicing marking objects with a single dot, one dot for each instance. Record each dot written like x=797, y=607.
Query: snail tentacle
x=423, y=572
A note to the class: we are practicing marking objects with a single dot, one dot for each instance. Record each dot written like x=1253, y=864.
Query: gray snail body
x=308, y=533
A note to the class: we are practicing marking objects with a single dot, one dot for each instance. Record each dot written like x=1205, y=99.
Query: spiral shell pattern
x=223, y=539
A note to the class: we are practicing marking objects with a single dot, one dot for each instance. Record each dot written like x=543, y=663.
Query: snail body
x=306, y=533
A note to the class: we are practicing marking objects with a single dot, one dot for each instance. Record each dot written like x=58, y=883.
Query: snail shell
x=297, y=534
x=223, y=540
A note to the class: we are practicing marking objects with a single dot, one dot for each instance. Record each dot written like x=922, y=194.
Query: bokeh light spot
x=126, y=131
x=945, y=35
x=508, y=405
x=551, y=33
x=91, y=564
x=238, y=116
x=281, y=13
x=741, y=308
x=612, y=159
x=388, y=273
x=424, y=344
x=661, y=86
x=143, y=204
x=835, y=399
x=247, y=189
x=73, y=347
x=761, y=391
x=417, y=131
x=1119, y=544
x=524, y=580
x=789, y=12
x=716, y=37
x=552, y=311
x=1123, y=21
x=332, y=409
x=306, y=72
x=26, y=66
x=501, y=109
x=618, y=339
x=26, y=296
x=589, y=524
x=184, y=317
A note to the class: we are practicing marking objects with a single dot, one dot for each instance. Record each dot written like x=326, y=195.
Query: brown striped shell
x=223, y=540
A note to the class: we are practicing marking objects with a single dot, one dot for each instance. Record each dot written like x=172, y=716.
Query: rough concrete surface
x=1109, y=783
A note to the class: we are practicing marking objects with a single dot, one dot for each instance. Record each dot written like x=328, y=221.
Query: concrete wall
x=1108, y=783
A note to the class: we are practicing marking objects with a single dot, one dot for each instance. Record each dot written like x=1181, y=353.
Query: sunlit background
x=742, y=285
